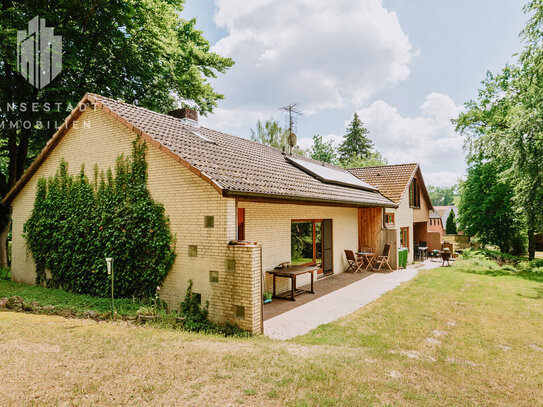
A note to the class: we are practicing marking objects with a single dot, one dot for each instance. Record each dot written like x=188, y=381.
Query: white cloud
x=442, y=178
x=428, y=139
x=239, y=118
x=323, y=54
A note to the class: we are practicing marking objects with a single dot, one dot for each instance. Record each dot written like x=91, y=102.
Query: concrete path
x=339, y=303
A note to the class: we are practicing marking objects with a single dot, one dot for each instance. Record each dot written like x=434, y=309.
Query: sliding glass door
x=307, y=238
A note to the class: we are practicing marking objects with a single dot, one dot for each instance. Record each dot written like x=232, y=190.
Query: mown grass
x=455, y=336
x=63, y=300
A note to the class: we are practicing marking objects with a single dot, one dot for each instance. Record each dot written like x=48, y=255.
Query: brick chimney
x=186, y=114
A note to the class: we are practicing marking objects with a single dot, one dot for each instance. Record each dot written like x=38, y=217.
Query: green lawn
x=63, y=300
x=470, y=334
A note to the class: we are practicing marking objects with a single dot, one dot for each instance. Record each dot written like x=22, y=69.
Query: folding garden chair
x=383, y=259
x=355, y=263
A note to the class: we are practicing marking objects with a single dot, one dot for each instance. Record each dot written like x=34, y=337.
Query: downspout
x=261, y=294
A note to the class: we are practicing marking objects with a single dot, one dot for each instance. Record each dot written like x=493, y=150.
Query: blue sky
x=406, y=66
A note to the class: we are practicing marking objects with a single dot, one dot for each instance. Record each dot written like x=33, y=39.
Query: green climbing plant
x=75, y=224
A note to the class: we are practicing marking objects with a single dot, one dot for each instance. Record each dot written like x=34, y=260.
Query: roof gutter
x=302, y=200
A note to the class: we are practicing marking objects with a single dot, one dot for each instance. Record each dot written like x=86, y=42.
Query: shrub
x=5, y=273
x=195, y=315
x=196, y=318
x=76, y=224
x=495, y=255
x=509, y=263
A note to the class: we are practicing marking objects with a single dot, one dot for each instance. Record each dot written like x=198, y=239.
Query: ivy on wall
x=76, y=224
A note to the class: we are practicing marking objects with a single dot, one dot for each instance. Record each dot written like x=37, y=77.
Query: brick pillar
x=237, y=297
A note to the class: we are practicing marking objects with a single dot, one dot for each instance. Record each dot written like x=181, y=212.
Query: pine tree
x=356, y=143
x=450, y=227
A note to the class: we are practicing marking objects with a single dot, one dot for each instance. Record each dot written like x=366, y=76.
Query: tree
x=323, y=151
x=487, y=209
x=450, y=227
x=374, y=159
x=356, y=143
x=505, y=124
x=139, y=51
x=272, y=134
x=442, y=196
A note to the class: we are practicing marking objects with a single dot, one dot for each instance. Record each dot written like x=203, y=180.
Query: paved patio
x=321, y=287
x=335, y=297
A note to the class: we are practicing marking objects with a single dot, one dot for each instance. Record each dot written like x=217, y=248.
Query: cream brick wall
x=241, y=288
x=186, y=198
x=269, y=225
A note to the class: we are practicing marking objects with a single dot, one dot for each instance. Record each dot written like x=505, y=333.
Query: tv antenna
x=293, y=111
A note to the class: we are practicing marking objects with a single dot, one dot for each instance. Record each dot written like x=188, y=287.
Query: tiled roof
x=390, y=180
x=434, y=215
x=234, y=166
x=441, y=210
x=444, y=212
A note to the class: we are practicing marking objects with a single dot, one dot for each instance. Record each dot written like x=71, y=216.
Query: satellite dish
x=292, y=140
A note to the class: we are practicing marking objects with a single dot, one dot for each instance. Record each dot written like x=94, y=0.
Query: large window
x=414, y=194
x=306, y=242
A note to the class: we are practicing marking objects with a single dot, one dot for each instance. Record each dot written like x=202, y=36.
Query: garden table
x=292, y=272
x=368, y=258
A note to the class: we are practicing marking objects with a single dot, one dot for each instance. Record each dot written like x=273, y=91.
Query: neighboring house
x=404, y=185
x=216, y=189
x=436, y=224
x=444, y=212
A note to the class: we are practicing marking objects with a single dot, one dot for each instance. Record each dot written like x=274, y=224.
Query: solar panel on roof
x=330, y=175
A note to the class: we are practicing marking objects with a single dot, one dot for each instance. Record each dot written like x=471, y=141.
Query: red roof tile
x=390, y=180
x=234, y=166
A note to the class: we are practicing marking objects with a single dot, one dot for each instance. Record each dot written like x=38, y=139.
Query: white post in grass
x=109, y=262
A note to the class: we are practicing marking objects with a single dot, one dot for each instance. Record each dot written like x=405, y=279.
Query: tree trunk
x=17, y=159
x=531, y=243
x=4, y=258
x=12, y=165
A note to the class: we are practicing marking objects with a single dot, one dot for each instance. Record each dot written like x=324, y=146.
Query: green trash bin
x=402, y=258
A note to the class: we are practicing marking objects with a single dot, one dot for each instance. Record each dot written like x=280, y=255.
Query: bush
x=195, y=315
x=196, y=318
x=495, y=255
x=509, y=263
x=518, y=244
x=5, y=273
x=76, y=224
